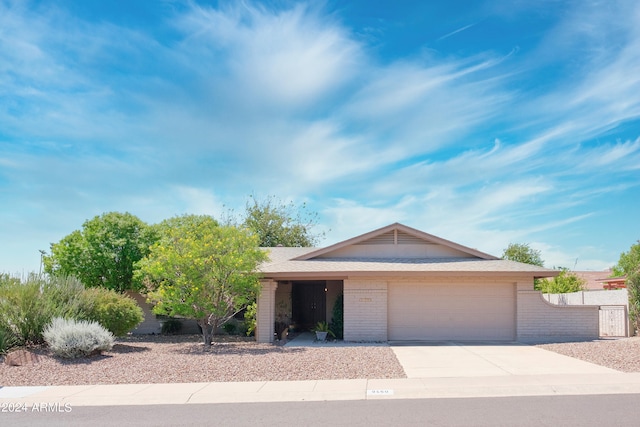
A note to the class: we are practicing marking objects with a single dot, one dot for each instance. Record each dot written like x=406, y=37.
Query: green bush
x=116, y=312
x=71, y=338
x=229, y=328
x=171, y=326
x=250, y=318
x=65, y=297
x=7, y=339
x=633, y=287
x=337, y=320
x=24, y=309
x=566, y=282
x=243, y=329
x=28, y=305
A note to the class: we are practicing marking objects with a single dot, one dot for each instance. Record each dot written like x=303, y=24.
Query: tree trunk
x=206, y=332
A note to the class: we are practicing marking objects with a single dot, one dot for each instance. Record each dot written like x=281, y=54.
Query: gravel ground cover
x=176, y=359
x=179, y=359
x=620, y=354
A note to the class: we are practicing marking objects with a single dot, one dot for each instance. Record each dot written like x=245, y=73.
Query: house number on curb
x=382, y=392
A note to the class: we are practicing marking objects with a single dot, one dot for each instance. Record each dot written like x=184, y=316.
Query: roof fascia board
x=343, y=275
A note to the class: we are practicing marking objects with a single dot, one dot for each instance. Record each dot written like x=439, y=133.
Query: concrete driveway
x=456, y=359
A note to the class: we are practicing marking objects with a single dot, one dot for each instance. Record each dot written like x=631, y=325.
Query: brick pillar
x=266, y=315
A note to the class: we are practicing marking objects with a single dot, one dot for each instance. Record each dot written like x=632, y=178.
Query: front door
x=309, y=303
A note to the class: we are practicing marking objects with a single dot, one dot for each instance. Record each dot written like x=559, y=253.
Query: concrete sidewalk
x=292, y=391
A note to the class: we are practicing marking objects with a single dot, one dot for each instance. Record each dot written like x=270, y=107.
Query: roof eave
x=342, y=275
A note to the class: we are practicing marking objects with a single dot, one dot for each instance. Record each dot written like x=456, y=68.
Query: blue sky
x=482, y=122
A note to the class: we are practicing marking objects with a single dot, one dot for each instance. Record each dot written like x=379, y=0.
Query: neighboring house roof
x=618, y=282
x=394, y=250
x=595, y=280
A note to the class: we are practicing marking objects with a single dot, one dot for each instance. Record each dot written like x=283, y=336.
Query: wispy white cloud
x=287, y=58
x=198, y=201
x=621, y=155
x=454, y=32
x=246, y=98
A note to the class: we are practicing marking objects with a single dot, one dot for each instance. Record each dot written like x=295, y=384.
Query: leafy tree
x=522, y=252
x=166, y=228
x=277, y=223
x=629, y=265
x=103, y=253
x=203, y=271
x=633, y=287
x=565, y=282
x=629, y=262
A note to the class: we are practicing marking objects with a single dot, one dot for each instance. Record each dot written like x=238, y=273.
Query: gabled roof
x=392, y=233
x=362, y=255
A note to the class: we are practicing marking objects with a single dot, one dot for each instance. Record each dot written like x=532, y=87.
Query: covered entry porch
x=294, y=304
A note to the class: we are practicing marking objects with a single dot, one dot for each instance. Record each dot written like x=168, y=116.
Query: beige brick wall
x=265, y=316
x=365, y=310
x=540, y=321
x=150, y=324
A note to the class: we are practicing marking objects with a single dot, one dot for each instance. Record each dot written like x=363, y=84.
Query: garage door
x=469, y=312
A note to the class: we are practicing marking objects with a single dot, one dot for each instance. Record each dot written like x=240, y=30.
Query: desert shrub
x=24, y=309
x=66, y=297
x=6, y=279
x=171, y=326
x=29, y=304
x=7, y=338
x=71, y=338
x=116, y=312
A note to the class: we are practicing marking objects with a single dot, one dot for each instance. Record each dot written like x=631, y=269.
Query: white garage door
x=469, y=312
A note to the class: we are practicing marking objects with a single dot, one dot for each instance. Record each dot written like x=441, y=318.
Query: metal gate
x=613, y=321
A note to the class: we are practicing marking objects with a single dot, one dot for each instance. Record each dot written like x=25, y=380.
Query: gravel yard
x=182, y=358
x=620, y=354
x=176, y=359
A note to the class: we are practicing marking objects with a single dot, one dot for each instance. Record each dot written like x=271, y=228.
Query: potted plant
x=322, y=330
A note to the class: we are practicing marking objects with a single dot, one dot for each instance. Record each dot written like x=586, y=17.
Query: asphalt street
x=581, y=410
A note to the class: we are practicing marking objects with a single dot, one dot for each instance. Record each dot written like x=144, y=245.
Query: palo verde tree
x=203, y=271
x=280, y=224
x=103, y=252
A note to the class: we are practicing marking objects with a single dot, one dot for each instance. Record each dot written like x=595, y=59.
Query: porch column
x=266, y=315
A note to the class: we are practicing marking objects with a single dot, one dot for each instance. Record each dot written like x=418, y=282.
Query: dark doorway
x=309, y=306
